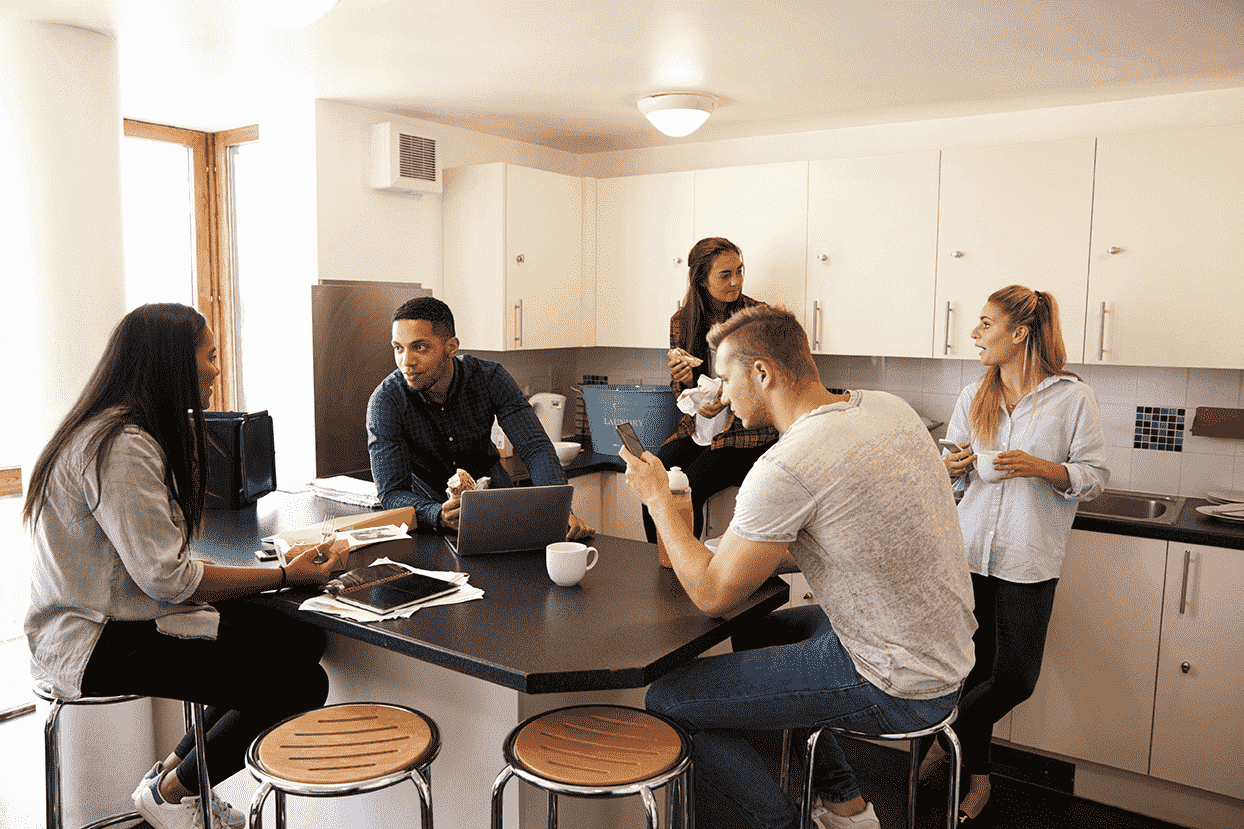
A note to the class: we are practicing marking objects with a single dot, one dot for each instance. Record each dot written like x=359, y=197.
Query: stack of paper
x=346, y=490
x=328, y=604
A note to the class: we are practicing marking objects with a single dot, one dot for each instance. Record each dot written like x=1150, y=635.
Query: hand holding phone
x=630, y=440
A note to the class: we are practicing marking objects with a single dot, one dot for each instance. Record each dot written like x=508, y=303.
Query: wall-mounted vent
x=401, y=160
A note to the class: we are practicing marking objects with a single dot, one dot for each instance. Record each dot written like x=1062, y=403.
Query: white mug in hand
x=985, y=468
x=567, y=561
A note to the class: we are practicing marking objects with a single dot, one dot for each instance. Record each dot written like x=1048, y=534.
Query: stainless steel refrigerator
x=351, y=330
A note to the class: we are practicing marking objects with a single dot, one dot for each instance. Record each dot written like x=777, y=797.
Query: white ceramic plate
x=1225, y=496
x=1212, y=512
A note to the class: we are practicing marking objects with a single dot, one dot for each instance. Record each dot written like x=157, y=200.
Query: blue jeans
x=805, y=681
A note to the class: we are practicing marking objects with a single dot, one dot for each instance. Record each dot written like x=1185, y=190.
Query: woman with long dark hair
x=117, y=604
x=1043, y=423
x=714, y=294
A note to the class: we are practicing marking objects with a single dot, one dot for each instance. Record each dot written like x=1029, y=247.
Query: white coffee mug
x=567, y=561
x=985, y=468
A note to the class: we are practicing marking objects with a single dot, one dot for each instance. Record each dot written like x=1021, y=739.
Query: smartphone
x=266, y=555
x=630, y=440
x=951, y=445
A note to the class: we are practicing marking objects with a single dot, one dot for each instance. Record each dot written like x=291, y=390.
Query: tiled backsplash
x=1184, y=465
x=1123, y=393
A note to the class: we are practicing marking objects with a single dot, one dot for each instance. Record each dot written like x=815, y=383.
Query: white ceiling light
x=677, y=113
x=294, y=14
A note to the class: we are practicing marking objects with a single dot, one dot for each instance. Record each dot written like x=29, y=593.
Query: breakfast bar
x=480, y=667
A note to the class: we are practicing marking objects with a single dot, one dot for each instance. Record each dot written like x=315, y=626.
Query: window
x=181, y=240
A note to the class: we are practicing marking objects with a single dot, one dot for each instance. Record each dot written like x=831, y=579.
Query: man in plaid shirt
x=433, y=416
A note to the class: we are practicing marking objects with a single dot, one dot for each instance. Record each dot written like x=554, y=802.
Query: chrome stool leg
x=913, y=774
x=192, y=713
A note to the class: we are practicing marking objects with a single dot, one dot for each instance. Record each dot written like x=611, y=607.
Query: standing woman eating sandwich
x=118, y=606
x=714, y=294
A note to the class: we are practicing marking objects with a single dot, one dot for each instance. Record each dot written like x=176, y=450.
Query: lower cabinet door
x=1094, y=700
x=1198, y=730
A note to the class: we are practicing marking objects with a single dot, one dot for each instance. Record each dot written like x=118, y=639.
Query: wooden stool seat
x=597, y=746
x=600, y=751
x=343, y=750
x=345, y=744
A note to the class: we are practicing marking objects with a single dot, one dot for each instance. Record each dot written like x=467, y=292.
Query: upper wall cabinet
x=872, y=254
x=513, y=257
x=644, y=230
x=1016, y=214
x=1166, y=272
x=764, y=210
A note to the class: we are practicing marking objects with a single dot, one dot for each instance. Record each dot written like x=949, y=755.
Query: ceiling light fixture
x=677, y=113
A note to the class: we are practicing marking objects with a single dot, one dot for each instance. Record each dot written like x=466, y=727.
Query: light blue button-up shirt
x=1017, y=529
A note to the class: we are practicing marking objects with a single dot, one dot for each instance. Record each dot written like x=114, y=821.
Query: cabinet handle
x=518, y=324
x=816, y=324
x=520, y=259
x=1114, y=249
x=824, y=257
x=1101, y=334
x=958, y=254
x=946, y=346
x=1185, y=667
x=1183, y=589
x=677, y=260
x=807, y=597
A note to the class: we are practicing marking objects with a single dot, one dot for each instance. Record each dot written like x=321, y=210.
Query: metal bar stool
x=913, y=774
x=600, y=751
x=341, y=750
x=193, y=713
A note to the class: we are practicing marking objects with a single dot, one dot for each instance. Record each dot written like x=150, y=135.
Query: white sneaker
x=224, y=816
x=825, y=819
x=162, y=815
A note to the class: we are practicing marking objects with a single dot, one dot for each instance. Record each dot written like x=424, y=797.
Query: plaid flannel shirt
x=734, y=435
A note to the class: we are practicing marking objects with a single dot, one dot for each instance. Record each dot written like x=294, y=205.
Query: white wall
x=365, y=234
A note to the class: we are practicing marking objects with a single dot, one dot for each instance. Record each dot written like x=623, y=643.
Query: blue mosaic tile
x=1159, y=427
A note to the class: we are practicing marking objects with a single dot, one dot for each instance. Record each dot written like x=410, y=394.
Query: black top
x=624, y=625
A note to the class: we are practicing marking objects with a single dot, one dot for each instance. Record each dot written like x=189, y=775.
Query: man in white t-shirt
x=855, y=495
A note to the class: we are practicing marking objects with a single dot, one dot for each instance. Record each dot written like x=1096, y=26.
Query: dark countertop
x=1190, y=528
x=627, y=623
x=585, y=463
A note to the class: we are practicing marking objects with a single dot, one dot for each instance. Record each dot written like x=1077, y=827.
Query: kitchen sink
x=1134, y=506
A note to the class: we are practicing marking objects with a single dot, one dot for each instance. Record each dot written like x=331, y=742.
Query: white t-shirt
x=859, y=493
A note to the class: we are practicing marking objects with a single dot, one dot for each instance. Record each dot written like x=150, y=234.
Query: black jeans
x=262, y=667
x=1012, y=621
x=709, y=471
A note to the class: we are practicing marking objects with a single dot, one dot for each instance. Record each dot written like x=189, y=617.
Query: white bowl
x=567, y=450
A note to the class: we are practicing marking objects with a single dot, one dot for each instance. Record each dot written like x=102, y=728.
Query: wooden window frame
x=213, y=231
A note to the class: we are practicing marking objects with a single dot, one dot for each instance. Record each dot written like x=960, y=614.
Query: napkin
x=689, y=402
x=327, y=604
x=347, y=490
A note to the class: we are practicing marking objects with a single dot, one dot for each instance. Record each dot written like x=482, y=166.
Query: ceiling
x=566, y=74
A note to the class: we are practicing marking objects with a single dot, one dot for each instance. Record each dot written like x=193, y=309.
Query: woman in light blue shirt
x=1044, y=424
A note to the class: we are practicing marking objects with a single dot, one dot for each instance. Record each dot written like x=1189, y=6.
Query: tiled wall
x=932, y=386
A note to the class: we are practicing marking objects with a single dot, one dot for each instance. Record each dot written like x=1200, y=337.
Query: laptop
x=514, y=519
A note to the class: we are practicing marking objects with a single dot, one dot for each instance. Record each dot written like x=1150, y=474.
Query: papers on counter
x=286, y=541
x=347, y=490
x=328, y=604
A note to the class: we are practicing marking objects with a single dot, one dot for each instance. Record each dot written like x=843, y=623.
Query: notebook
x=520, y=518
x=391, y=594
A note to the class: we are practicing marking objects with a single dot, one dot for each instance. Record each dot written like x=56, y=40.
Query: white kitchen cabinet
x=513, y=257
x=764, y=210
x=644, y=230
x=872, y=254
x=1094, y=700
x=1198, y=733
x=1166, y=270
x=1015, y=214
